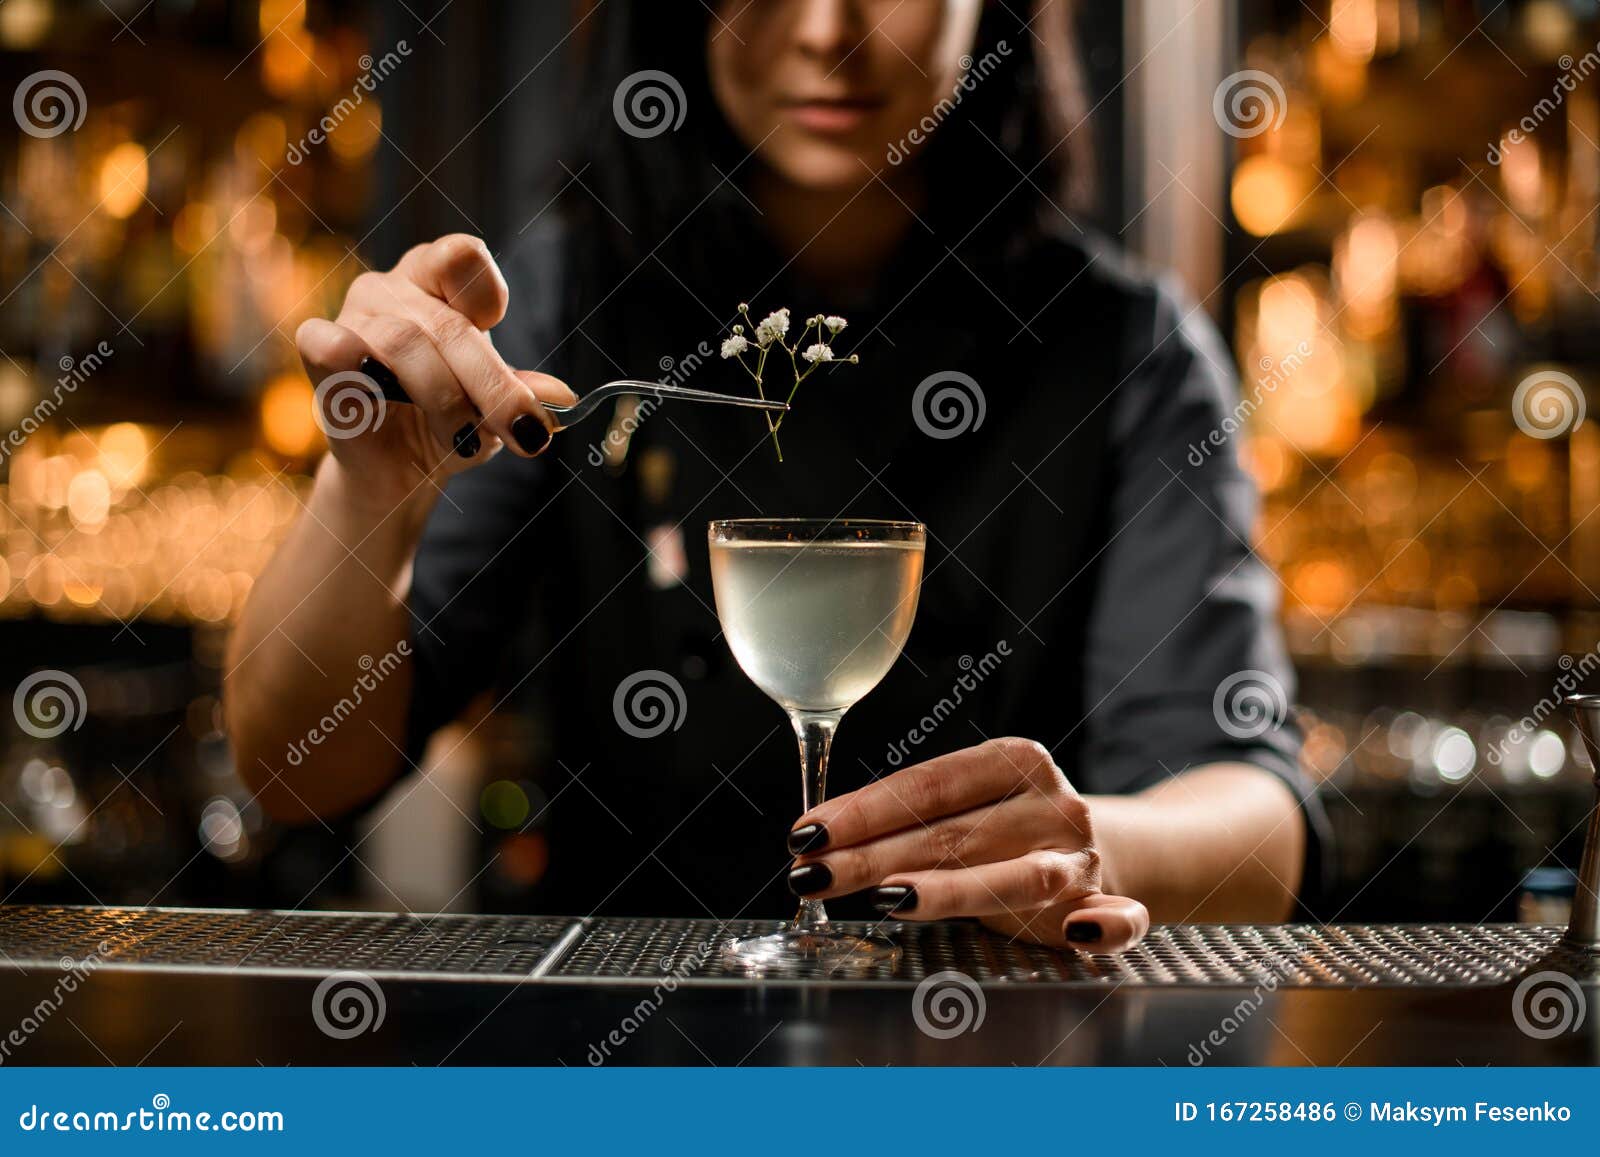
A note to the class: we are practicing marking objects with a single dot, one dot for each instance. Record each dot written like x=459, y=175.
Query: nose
x=825, y=28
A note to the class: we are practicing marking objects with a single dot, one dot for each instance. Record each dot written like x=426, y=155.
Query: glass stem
x=815, y=731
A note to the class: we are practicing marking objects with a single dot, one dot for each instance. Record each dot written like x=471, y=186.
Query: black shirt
x=1088, y=580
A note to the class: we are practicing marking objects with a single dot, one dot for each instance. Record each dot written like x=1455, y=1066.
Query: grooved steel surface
x=544, y=949
x=376, y=943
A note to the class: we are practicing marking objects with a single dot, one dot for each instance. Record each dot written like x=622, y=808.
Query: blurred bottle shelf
x=156, y=250
x=90, y=531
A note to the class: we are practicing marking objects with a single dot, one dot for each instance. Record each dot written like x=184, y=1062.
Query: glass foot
x=801, y=948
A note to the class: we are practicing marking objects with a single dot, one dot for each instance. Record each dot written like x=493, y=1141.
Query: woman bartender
x=1054, y=754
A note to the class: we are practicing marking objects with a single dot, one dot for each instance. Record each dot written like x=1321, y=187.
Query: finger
x=942, y=786
x=1101, y=923
x=546, y=388
x=328, y=348
x=509, y=405
x=407, y=349
x=997, y=831
x=1014, y=887
x=459, y=270
x=504, y=404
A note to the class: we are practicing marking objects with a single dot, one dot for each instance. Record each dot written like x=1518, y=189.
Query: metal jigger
x=1583, y=932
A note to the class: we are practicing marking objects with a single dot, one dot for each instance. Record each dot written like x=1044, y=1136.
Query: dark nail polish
x=382, y=377
x=810, y=878
x=894, y=898
x=467, y=441
x=1083, y=932
x=811, y=838
x=530, y=434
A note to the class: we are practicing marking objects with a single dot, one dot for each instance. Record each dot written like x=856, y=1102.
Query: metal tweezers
x=389, y=386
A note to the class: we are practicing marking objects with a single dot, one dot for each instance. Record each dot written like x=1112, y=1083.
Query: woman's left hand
x=993, y=831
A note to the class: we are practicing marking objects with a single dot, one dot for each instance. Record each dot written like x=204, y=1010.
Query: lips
x=831, y=115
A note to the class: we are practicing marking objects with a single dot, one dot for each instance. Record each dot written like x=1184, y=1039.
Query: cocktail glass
x=816, y=612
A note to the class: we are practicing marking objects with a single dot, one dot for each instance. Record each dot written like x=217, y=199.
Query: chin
x=819, y=166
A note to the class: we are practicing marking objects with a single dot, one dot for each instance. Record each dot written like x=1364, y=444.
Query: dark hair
x=634, y=194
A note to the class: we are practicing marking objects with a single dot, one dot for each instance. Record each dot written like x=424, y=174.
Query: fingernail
x=530, y=434
x=467, y=441
x=809, y=878
x=382, y=376
x=894, y=898
x=810, y=838
x=1084, y=931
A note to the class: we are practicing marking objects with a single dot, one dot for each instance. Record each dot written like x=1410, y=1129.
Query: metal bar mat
x=231, y=939
x=1286, y=955
x=608, y=950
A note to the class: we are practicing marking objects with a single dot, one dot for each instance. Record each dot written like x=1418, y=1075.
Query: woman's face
x=823, y=90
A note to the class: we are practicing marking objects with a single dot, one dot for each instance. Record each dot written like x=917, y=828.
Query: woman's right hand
x=427, y=321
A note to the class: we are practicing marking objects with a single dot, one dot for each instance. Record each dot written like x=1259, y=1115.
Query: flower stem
x=765, y=339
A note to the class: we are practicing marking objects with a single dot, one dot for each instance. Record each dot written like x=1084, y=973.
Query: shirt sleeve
x=469, y=586
x=470, y=580
x=1186, y=663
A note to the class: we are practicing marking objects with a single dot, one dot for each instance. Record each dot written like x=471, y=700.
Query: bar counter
x=129, y=986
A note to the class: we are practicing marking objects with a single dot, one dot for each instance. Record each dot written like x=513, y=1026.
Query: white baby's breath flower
x=771, y=334
x=774, y=326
